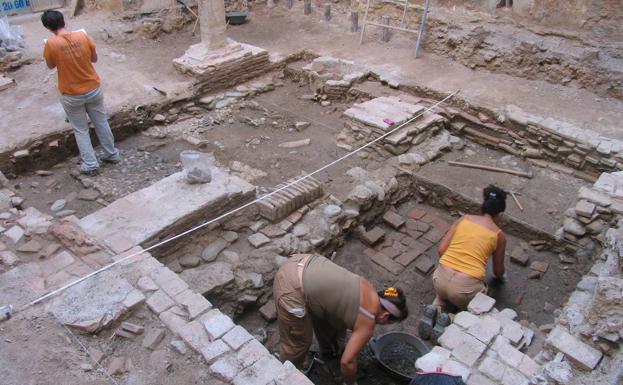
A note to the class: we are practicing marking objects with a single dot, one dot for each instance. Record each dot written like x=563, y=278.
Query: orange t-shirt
x=71, y=53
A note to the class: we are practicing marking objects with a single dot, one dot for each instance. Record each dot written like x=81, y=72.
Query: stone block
x=580, y=354
x=272, y=231
x=514, y=377
x=168, y=281
x=585, y=209
x=214, y=350
x=289, y=375
x=14, y=234
x=387, y=263
x=260, y=373
x=217, y=324
x=468, y=350
x=211, y=251
x=172, y=320
x=152, y=338
x=56, y=263
x=432, y=360
x=512, y=331
x=159, y=302
x=258, y=240
x=528, y=367
x=507, y=353
x=481, y=304
x=193, y=303
x=226, y=368
x=485, y=330
x=237, y=337
x=393, y=219
x=146, y=284
x=415, y=213
x=434, y=235
x=465, y=319
x=405, y=259
x=194, y=335
x=452, y=337
x=251, y=352
x=492, y=368
x=391, y=252
x=373, y=236
x=479, y=379
x=456, y=368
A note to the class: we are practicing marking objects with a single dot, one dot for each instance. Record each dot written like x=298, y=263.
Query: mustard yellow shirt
x=470, y=248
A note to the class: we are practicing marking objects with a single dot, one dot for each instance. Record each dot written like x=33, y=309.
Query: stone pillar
x=212, y=19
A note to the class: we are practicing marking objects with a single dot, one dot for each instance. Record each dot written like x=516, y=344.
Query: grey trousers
x=77, y=107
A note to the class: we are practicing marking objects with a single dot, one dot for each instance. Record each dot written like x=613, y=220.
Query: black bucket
x=378, y=344
x=236, y=18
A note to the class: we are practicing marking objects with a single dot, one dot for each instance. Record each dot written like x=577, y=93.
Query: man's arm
x=93, y=50
x=47, y=57
x=360, y=337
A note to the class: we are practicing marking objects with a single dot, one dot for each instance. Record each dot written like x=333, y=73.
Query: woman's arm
x=445, y=241
x=364, y=329
x=498, y=256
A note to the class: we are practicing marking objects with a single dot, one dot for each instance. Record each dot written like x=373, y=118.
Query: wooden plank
x=491, y=168
x=391, y=27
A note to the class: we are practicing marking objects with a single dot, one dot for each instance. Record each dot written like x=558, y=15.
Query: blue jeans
x=77, y=107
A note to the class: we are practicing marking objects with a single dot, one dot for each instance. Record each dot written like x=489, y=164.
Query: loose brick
x=373, y=236
x=56, y=263
x=226, y=368
x=194, y=304
x=424, y=265
x=387, y=263
x=272, y=231
x=519, y=256
x=585, y=209
x=492, y=368
x=486, y=329
x=168, y=281
x=528, y=367
x=416, y=213
x=390, y=252
x=258, y=240
x=152, y=338
x=172, y=321
x=468, y=350
x=405, y=259
x=269, y=311
x=456, y=368
x=507, y=353
x=132, y=328
x=393, y=219
x=539, y=266
x=251, y=352
x=451, y=337
x=434, y=235
x=260, y=373
x=289, y=375
x=465, y=319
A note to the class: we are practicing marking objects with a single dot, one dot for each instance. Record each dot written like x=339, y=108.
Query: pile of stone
x=11, y=48
x=374, y=118
x=333, y=77
x=597, y=209
x=484, y=346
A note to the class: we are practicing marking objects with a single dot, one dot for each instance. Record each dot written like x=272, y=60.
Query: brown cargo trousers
x=296, y=324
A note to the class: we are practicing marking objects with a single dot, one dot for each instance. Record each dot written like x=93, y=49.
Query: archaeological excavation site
x=293, y=192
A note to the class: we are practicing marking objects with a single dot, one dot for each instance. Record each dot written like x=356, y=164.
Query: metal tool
x=514, y=195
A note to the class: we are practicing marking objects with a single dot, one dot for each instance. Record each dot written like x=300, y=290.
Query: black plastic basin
x=236, y=18
x=377, y=345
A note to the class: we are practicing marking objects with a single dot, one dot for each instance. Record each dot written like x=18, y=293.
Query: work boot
x=427, y=322
x=113, y=159
x=84, y=170
x=443, y=320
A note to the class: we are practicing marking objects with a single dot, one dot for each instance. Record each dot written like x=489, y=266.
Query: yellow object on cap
x=390, y=292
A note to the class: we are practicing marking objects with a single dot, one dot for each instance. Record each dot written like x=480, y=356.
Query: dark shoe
x=443, y=321
x=427, y=322
x=89, y=171
x=113, y=159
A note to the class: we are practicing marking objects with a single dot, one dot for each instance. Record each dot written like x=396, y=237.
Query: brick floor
x=416, y=213
x=387, y=263
x=424, y=264
x=393, y=219
x=373, y=236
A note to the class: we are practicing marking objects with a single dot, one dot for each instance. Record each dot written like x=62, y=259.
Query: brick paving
x=401, y=242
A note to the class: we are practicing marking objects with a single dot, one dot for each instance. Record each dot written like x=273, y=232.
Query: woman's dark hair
x=396, y=296
x=494, y=200
x=53, y=20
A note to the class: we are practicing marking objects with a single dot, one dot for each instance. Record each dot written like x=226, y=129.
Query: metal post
x=385, y=35
x=404, y=14
x=327, y=12
x=307, y=7
x=365, y=19
x=421, y=32
x=354, y=21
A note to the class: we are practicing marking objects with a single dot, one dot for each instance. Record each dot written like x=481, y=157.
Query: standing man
x=314, y=295
x=73, y=53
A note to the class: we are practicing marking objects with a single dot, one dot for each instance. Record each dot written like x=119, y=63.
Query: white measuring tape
x=73, y=283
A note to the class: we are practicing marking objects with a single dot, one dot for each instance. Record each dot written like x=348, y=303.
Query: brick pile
x=333, y=77
x=282, y=203
x=484, y=346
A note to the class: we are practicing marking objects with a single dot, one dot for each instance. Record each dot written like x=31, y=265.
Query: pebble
x=58, y=205
x=300, y=230
x=65, y=213
x=325, y=103
x=43, y=172
x=332, y=210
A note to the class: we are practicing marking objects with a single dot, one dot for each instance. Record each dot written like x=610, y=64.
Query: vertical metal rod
x=354, y=21
x=421, y=32
x=385, y=33
x=327, y=12
x=404, y=14
x=365, y=19
x=307, y=7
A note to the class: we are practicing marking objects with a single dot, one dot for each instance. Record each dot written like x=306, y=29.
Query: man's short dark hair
x=53, y=20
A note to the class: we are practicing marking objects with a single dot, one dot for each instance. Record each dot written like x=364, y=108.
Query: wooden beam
x=490, y=168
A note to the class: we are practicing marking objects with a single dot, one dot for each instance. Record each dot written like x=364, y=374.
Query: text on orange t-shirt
x=71, y=53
